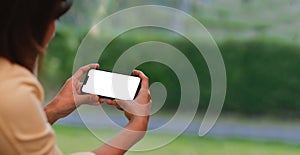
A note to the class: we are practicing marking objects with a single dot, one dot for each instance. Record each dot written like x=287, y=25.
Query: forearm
x=57, y=109
x=126, y=138
x=51, y=112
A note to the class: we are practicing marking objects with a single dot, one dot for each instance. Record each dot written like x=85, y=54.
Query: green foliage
x=263, y=75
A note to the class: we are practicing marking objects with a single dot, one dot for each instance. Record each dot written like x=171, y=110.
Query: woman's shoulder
x=23, y=123
x=17, y=83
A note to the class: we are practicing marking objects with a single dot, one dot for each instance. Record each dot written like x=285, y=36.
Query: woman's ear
x=50, y=33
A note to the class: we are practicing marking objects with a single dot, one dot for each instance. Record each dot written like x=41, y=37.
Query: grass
x=75, y=139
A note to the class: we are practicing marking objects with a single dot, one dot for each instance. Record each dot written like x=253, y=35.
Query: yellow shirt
x=24, y=128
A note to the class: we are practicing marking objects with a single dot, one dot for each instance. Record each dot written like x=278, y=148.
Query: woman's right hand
x=139, y=108
x=137, y=111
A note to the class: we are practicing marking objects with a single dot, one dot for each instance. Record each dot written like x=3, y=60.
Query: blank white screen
x=112, y=85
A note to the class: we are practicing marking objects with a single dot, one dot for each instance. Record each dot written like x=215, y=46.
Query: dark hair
x=23, y=27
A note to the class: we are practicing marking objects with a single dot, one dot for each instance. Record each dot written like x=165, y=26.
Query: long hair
x=23, y=26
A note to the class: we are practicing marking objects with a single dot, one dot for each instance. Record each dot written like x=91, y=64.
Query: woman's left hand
x=70, y=97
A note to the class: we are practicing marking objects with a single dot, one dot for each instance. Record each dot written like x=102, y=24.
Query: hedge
x=262, y=74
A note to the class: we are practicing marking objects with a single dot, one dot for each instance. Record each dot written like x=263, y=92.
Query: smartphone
x=111, y=85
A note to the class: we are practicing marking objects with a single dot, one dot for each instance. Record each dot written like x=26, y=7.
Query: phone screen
x=111, y=85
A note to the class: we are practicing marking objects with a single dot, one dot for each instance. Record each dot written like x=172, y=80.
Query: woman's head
x=24, y=26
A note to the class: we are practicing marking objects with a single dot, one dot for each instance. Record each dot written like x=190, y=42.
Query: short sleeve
x=24, y=123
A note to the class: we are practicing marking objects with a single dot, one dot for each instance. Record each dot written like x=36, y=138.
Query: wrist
x=140, y=122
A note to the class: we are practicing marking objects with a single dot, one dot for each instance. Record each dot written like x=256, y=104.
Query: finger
x=144, y=78
x=87, y=99
x=78, y=75
x=119, y=107
x=114, y=103
x=109, y=102
x=101, y=100
x=78, y=87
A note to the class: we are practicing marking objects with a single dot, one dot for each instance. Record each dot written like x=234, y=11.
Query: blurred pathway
x=266, y=131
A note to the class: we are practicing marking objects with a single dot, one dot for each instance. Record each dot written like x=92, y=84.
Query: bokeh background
x=260, y=45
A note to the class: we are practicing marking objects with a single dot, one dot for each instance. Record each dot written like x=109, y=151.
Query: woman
x=26, y=28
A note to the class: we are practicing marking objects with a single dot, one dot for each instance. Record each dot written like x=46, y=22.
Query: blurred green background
x=259, y=42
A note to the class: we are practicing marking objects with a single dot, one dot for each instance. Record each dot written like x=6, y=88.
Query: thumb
x=87, y=99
